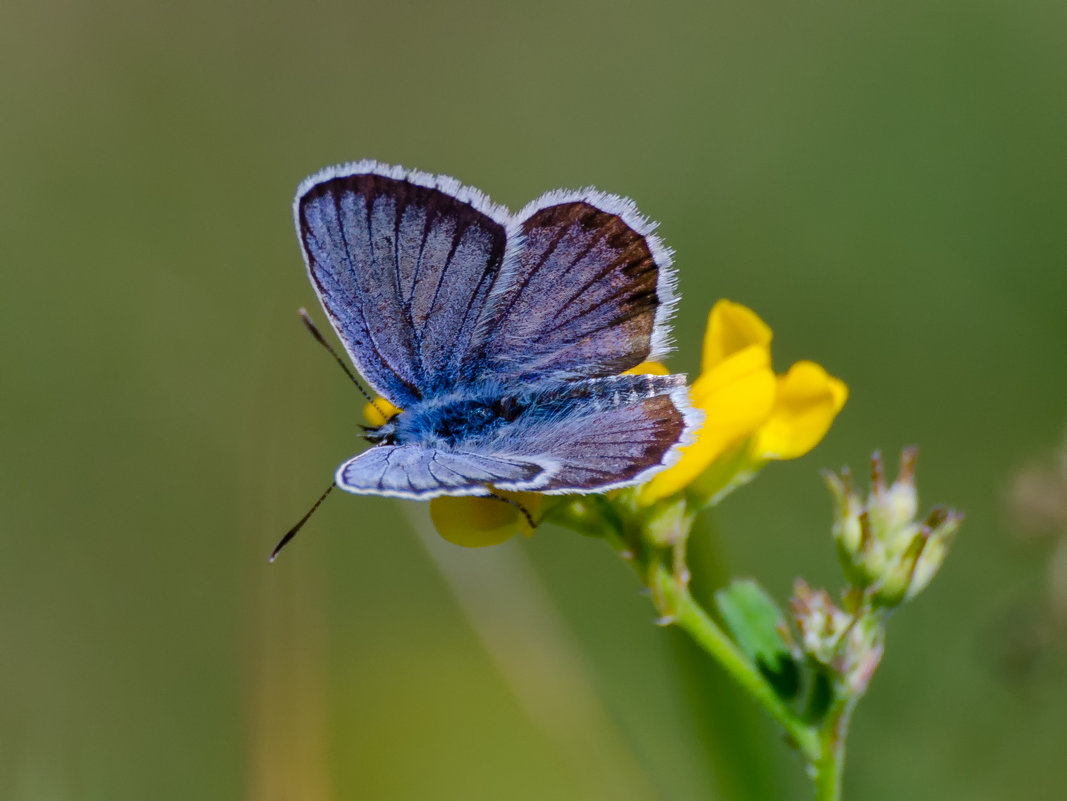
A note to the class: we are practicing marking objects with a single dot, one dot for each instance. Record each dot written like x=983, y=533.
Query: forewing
x=419, y=473
x=609, y=432
x=589, y=293
x=403, y=263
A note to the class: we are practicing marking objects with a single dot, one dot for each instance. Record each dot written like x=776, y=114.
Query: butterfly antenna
x=517, y=505
x=292, y=532
x=315, y=332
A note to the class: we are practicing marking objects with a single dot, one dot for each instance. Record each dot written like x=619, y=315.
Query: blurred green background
x=884, y=183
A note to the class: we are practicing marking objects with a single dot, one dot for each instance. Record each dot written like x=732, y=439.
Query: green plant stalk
x=688, y=615
x=822, y=747
x=827, y=769
x=674, y=601
x=740, y=760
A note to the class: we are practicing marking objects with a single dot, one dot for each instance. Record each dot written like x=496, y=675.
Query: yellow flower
x=379, y=412
x=647, y=368
x=751, y=415
x=475, y=522
x=806, y=401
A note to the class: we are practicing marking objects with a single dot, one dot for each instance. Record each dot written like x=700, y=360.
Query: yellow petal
x=731, y=328
x=806, y=402
x=839, y=390
x=377, y=413
x=476, y=522
x=736, y=407
x=742, y=363
x=647, y=368
x=737, y=396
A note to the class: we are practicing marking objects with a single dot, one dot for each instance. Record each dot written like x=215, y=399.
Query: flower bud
x=848, y=644
x=819, y=621
x=883, y=549
x=896, y=580
x=476, y=521
x=847, y=527
x=939, y=531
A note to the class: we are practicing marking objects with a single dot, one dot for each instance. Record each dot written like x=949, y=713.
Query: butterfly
x=503, y=338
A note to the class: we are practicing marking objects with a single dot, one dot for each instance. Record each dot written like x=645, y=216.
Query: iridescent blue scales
x=501, y=337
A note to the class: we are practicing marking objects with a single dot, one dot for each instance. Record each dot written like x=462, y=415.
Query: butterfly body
x=451, y=418
x=482, y=415
x=502, y=338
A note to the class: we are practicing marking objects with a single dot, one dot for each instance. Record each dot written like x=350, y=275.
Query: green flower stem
x=688, y=615
x=830, y=764
x=674, y=601
x=827, y=770
x=822, y=747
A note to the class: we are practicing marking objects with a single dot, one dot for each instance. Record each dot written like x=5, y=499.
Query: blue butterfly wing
x=403, y=263
x=604, y=433
x=417, y=472
x=430, y=288
x=588, y=436
x=589, y=292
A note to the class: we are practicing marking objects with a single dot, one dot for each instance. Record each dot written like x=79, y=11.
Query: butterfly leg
x=517, y=505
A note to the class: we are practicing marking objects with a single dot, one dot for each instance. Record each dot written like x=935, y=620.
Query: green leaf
x=820, y=695
x=755, y=620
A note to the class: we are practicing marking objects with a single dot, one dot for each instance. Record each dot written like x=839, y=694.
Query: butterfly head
x=381, y=435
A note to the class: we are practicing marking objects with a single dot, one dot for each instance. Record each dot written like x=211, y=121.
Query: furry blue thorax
x=478, y=414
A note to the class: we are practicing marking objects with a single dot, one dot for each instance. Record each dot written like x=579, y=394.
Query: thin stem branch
x=675, y=602
x=827, y=775
x=691, y=617
x=829, y=766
